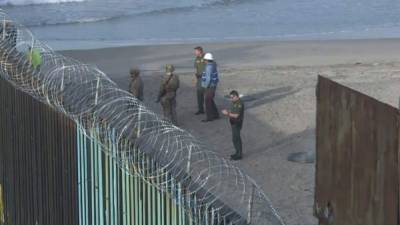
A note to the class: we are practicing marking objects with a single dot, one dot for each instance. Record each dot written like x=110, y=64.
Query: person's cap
x=199, y=48
x=208, y=56
x=169, y=68
x=134, y=71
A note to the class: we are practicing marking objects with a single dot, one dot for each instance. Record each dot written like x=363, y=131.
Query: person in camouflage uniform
x=236, y=116
x=199, y=65
x=167, y=93
x=136, y=84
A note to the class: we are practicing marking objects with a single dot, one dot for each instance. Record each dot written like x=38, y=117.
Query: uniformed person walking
x=167, y=94
x=136, y=84
x=236, y=116
x=199, y=65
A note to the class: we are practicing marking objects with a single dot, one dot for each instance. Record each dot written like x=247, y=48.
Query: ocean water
x=66, y=24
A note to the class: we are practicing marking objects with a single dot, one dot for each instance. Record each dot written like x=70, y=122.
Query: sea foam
x=34, y=2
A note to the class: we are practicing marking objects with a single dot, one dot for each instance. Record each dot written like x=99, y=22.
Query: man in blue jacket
x=209, y=82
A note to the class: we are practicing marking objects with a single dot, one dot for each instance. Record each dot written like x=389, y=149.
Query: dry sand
x=278, y=79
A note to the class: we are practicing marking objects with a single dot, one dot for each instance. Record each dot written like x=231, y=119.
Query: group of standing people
x=166, y=95
x=206, y=82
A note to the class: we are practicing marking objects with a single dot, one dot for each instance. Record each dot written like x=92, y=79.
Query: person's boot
x=236, y=157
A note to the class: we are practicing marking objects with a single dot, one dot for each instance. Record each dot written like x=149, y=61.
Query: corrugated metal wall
x=357, y=170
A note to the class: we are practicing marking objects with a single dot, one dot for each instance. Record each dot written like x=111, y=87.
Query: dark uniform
x=199, y=65
x=236, y=124
x=167, y=94
x=136, y=84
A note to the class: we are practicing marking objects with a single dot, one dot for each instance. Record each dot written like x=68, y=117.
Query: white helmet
x=208, y=56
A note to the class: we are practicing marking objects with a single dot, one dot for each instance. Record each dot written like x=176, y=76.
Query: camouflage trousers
x=169, y=108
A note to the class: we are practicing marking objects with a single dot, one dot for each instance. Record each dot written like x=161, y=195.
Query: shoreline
x=248, y=54
x=107, y=44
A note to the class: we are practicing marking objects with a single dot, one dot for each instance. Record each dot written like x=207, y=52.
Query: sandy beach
x=278, y=80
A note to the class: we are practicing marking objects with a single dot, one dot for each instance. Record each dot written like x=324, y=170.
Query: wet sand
x=278, y=81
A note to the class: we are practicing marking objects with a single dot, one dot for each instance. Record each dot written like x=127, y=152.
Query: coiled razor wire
x=90, y=98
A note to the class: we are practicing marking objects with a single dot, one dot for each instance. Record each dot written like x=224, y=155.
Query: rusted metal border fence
x=37, y=161
x=52, y=173
x=357, y=167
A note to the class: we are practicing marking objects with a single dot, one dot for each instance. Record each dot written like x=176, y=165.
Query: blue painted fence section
x=110, y=195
